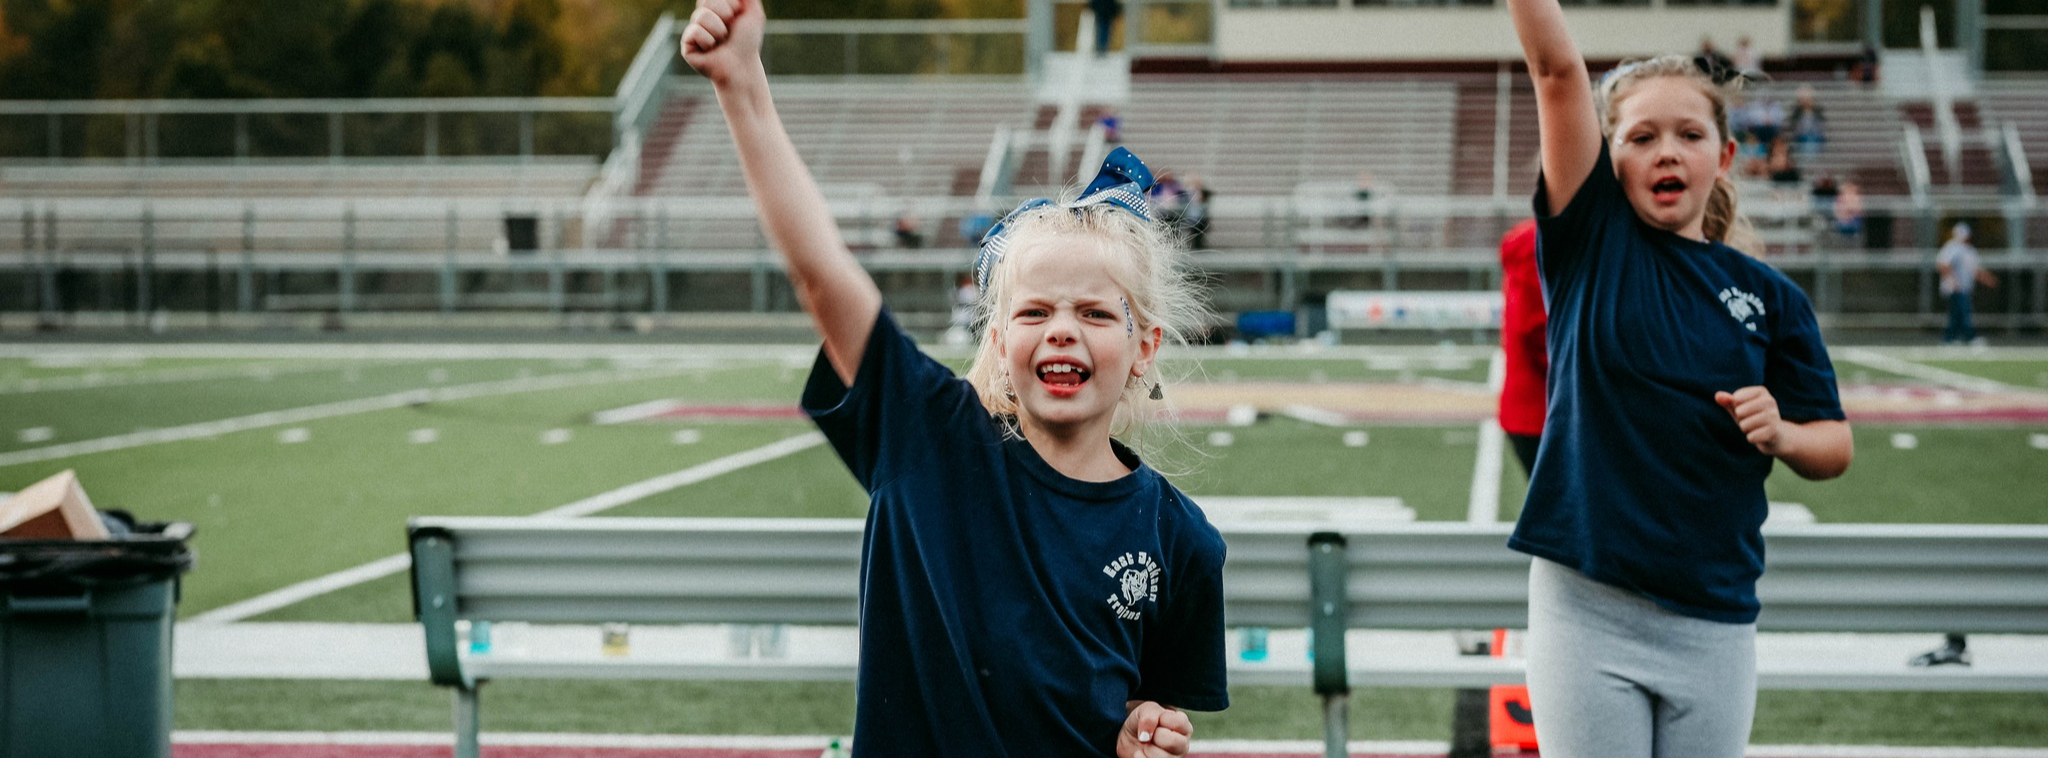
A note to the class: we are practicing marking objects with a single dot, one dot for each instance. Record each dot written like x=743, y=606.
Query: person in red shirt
x=1522, y=341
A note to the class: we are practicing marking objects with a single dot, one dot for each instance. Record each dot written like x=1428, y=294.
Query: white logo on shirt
x=1743, y=306
x=1137, y=577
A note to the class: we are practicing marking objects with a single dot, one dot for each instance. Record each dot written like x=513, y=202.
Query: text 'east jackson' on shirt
x=1007, y=609
x=1642, y=481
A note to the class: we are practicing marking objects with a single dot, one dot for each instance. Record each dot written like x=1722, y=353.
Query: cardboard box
x=52, y=509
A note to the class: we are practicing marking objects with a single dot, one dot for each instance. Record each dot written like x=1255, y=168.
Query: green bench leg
x=1329, y=613
x=466, y=721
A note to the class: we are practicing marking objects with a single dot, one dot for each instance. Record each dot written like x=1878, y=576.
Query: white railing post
x=992, y=168
x=1503, y=85
x=1915, y=161
x=2016, y=160
x=1945, y=121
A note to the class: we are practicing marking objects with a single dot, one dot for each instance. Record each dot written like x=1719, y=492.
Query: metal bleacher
x=2025, y=105
x=552, y=176
x=907, y=139
x=1261, y=135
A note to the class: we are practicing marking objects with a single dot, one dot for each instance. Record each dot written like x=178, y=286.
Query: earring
x=1157, y=393
x=1008, y=391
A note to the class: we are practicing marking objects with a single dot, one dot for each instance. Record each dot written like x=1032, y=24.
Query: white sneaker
x=1978, y=342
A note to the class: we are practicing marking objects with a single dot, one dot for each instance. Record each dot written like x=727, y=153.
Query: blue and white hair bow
x=1121, y=183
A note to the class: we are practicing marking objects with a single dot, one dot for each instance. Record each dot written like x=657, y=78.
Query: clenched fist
x=1756, y=411
x=1154, y=731
x=723, y=40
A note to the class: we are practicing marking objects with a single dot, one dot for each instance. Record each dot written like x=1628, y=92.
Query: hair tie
x=1120, y=183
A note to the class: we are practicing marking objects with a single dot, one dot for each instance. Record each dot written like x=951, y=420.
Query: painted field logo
x=1743, y=306
x=1137, y=578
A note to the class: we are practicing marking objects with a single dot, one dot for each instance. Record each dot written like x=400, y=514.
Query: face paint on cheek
x=1130, y=324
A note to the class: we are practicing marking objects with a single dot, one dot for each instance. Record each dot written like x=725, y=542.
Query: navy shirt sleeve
x=1797, y=370
x=875, y=445
x=1565, y=240
x=1183, y=663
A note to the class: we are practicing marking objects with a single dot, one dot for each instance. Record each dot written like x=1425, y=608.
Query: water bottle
x=775, y=641
x=834, y=750
x=614, y=640
x=479, y=637
x=1252, y=643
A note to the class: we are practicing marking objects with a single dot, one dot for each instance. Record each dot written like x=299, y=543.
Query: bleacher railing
x=137, y=255
x=427, y=128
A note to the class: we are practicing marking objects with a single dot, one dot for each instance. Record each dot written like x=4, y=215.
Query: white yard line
x=97, y=379
x=1484, y=507
x=1928, y=373
x=685, y=477
x=328, y=410
x=393, y=564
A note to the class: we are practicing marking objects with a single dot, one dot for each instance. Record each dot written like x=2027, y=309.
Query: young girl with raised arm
x=1681, y=369
x=1029, y=587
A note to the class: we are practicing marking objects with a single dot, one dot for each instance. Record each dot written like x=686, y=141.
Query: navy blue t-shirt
x=1642, y=481
x=1007, y=609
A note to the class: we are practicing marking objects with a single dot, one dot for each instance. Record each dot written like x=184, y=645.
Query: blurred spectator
x=1848, y=210
x=1764, y=118
x=1822, y=195
x=974, y=225
x=1195, y=214
x=1106, y=13
x=1781, y=166
x=966, y=299
x=1363, y=193
x=1808, y=122
x=1168, y=196
x=1112, y=126
x=1961, y=271
x=1865, y=70
x=907, y=234
x=1752, y=158
x=1746, y=59
x=1711, y=59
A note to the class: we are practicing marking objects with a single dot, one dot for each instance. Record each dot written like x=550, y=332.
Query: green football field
x=296, y=462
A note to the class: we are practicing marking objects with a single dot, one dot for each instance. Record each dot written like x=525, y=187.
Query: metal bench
x=1366, y=579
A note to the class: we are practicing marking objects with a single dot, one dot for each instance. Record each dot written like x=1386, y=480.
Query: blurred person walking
x=1106, y=13
x=1961, y=271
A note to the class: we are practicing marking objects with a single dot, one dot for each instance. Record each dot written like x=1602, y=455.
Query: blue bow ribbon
x=1121, y=183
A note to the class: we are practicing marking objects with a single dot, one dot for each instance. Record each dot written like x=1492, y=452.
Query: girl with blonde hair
x=1682, y=369
x=1029, y=586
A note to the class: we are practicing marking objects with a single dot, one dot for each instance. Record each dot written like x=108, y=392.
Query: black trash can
x=85, y=643
x=522, y=234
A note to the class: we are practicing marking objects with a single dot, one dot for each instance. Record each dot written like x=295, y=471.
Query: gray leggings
x=1613, y=675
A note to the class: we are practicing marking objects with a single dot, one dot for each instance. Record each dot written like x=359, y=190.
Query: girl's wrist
x=742, y=78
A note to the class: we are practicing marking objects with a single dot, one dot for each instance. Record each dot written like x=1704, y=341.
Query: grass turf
x=1291, y=713
x=271, y=514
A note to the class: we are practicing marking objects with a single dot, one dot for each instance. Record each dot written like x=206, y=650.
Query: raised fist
x=723, y=39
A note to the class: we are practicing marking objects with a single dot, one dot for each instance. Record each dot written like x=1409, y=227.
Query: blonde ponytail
x=1725, y=223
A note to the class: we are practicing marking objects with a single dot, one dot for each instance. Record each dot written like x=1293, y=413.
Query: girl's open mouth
x=1062, y=379
x=1668, y=190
